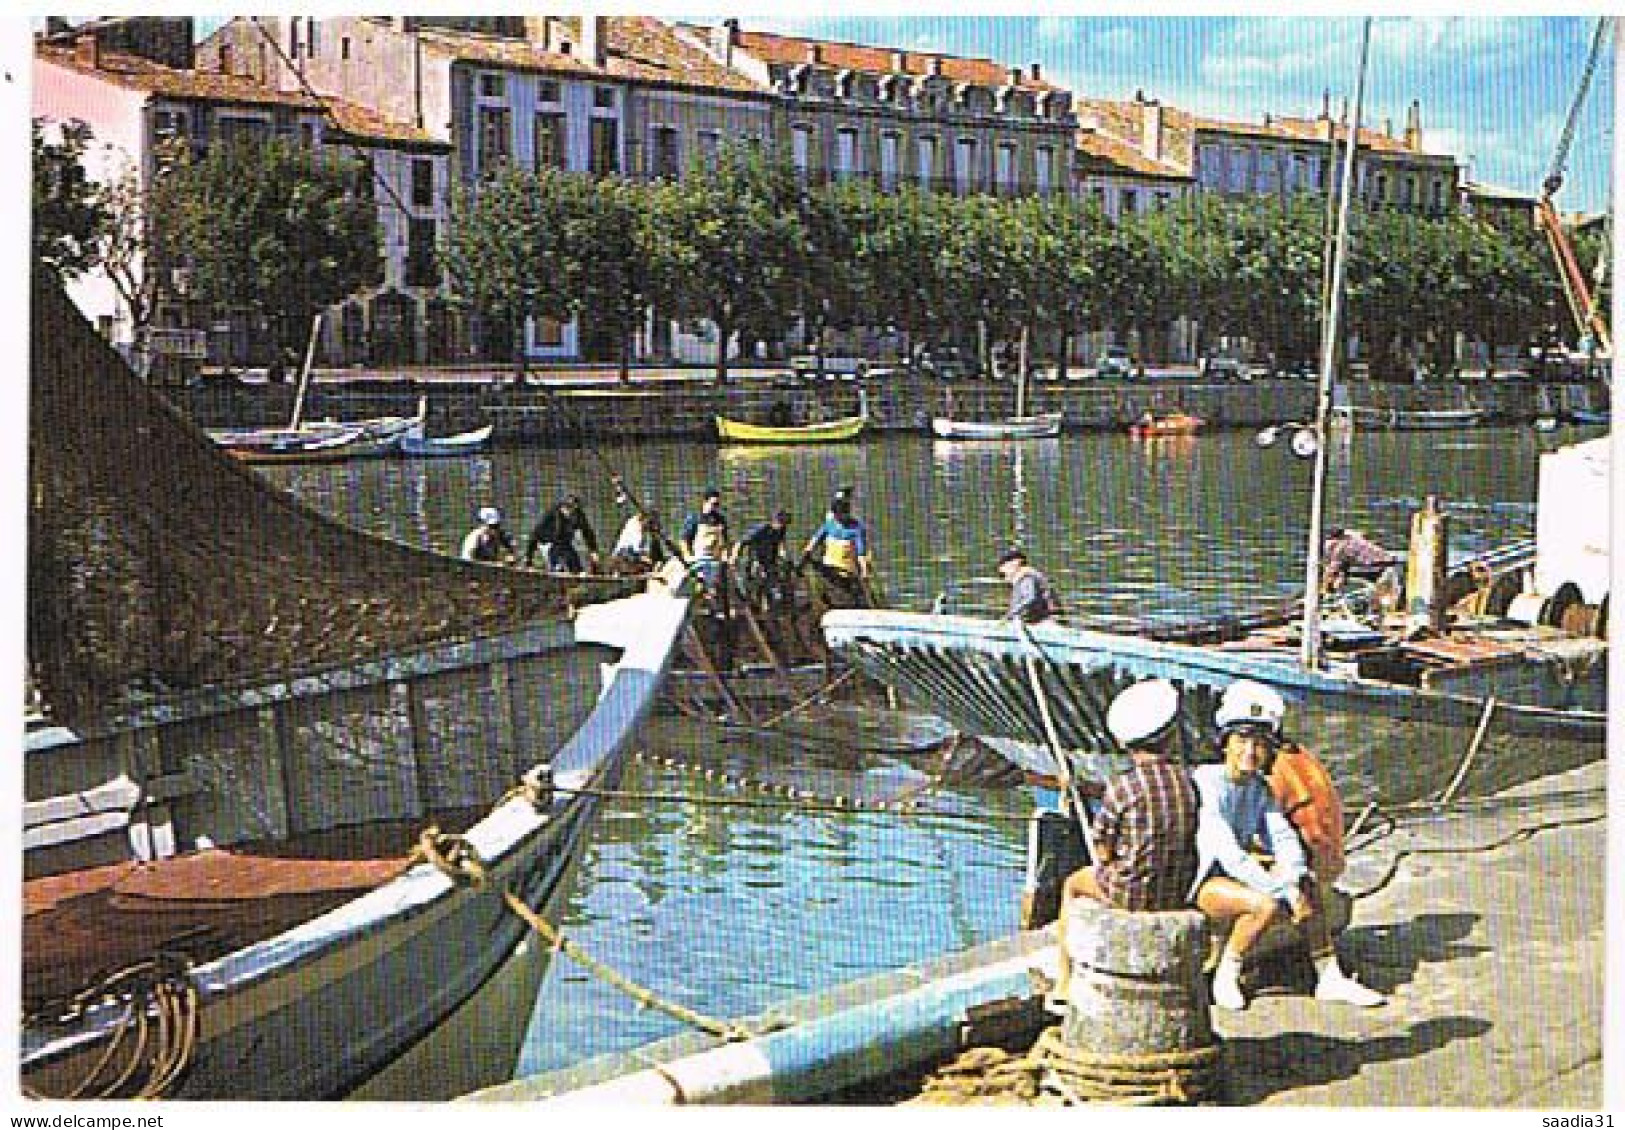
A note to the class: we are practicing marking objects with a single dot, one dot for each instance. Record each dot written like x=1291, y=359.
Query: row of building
x=432, y=101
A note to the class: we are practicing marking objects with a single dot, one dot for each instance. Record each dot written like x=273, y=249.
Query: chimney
x=1413, y=127
x=87, y=50
x=1036, y=72
x=815, y=52
x=1015, y=76
x=935, y=67
x=1326, y=104
x=1388, y=126
x=724, y=38
x=899, y=62
x=592, y=39
x=1151, y=125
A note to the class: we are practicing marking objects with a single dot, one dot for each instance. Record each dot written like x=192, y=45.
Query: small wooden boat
x=419, y=446
x=1397, y=419
x=830, y=431
x=1046, y=425
x=325, y=441
x=1173, y=424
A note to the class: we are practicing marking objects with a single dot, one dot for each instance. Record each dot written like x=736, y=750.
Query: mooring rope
x=160, y=1021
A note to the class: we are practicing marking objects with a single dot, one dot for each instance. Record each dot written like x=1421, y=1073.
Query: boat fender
x=1525, y=608
x=1567, y=596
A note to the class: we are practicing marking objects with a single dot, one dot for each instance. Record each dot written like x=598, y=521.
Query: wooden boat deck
x=81, y=926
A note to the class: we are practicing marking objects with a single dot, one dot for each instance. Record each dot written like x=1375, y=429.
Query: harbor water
x=727, y=907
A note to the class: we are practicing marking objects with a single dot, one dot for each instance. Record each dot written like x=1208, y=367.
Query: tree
x=69, y=212
x=271, y=226
x=729, y=240
x=609, y=243
x=134, y=262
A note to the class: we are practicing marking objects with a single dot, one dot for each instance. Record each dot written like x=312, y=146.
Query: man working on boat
x=1349, y=553
x=761, y=564
x=1144, y=833
x=1031, y=599
x=704, y=539
x=489, y=541
x=640, y=546
x=555, y=535
x=839, y=554
x=1238, y=808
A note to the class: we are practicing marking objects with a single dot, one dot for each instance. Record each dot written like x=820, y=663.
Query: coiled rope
x=152, y=1045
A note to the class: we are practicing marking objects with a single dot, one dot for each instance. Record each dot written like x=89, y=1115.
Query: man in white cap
x=1239, y=807
x=1144, y=834
x=489, y=542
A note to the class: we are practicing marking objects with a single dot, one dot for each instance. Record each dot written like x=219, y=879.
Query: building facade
x=890, y=116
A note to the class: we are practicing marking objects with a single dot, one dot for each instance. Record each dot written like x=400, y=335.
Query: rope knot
x=452, y=855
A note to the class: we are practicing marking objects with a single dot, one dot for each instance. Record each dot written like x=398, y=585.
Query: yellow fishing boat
x=829, y=431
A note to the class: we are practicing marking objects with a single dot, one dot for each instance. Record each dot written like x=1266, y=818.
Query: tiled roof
x=136, y=73
x=1374, y=140
x=636, y=48
x=786, y=49
x=1126, y=157
x=366, y=124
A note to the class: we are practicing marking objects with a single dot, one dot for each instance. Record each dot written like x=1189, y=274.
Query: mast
x=1329, y=335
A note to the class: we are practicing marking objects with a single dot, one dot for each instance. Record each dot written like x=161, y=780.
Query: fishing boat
x=419, y=446
x=1172, y=424
x=1019, y=425
x=319, y=442
x=1523, y=657
x=1396, y=419
x=1046, y=425
x=288, y=837
x=830, y=431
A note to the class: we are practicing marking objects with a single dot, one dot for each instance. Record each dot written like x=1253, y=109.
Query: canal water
x=728, y=909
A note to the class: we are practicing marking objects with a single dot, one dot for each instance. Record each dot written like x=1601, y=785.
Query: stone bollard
x=1137, y=983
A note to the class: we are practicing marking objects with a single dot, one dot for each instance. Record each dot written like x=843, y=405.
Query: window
x=926, y=160
x=801, y=147
x=293, y=37
x=492, y=86
x=1407, y=192
x=1128, y=201
x=1241, y=173
x=225, y=58
x=231, y=129
x=547, y=90
x=603, y=98
x=846, y=152
x=1210, y=174
x=1006, y=169
x=549, y=333
x=422, y=182
x=1269, y=170
x=1044, y=169
x=421, y=266
x=307, y=134
x=890, y=147
x=664, y=160
x=168, y=123
x=1302, y=178
x=495, y=134
x=965, y=178
x=604, y=157
x=1100, y=196
x=708, y=142
x=1438, y=195
x=1379, y=188
x=344, y=48
x=548, y=141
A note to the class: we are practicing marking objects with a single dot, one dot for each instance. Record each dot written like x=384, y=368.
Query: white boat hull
x=1045, y=426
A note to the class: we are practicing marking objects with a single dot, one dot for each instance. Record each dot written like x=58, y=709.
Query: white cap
x=1248, y=703
x=1142, y=711
x=490, y=515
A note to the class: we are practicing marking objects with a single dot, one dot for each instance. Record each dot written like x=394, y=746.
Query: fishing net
x=157, y=565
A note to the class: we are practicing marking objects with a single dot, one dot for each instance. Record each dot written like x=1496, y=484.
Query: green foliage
x=69, y=212
x=269, y=226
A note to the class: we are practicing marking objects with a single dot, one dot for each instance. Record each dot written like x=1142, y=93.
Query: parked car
x=1114, y=361
x=1224, y=367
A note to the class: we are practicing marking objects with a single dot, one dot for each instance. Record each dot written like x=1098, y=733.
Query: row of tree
x=745, y=245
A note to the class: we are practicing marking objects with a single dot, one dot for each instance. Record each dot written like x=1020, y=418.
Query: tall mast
x=1330, y=334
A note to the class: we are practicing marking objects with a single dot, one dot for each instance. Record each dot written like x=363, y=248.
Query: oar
x=1062, y=766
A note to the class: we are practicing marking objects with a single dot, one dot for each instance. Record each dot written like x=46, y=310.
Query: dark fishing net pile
x=157, y=565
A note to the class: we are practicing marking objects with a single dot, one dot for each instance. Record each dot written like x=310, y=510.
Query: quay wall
x=571, y=411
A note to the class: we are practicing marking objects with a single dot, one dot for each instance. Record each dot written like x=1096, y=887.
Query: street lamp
x=1303, y=440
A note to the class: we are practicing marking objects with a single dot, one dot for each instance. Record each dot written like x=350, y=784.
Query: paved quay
x=1488, y=938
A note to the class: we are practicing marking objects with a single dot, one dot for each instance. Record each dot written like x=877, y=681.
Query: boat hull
x=318, y=443
x=1393, y=419
x=832, y=431
x=418, y=446
x=323, y=1009
x=1389, y=741
x=1167, y=426
x=1044, y=426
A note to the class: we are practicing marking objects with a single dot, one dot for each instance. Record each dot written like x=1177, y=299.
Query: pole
x=1330, y=333
x=304, y=374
